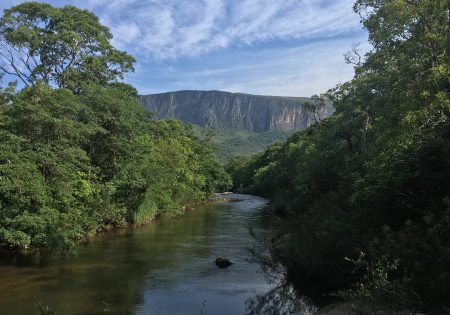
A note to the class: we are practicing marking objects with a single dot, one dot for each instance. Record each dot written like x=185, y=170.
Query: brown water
x=163, y=268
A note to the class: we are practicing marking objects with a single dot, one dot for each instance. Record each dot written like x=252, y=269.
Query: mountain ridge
x=232, y=111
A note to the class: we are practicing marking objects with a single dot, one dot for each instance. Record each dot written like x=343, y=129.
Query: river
x=162, y=268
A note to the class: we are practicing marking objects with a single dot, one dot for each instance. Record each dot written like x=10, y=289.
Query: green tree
x=60, y=46
x=78, y=153
x=375, y=176
x=42, y=168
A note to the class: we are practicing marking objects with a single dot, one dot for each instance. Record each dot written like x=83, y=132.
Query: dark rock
x=222, y=262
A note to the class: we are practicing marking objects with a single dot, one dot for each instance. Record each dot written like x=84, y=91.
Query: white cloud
x=173, y=28
x=299, y=71
x=127, y=33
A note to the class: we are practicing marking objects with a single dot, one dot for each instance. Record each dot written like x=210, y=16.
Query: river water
x=162, y=268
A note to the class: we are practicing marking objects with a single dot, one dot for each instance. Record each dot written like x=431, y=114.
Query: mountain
x=233, y=111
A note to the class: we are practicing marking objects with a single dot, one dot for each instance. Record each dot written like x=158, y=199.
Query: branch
x=13, y=73
x=23, y=77
x=354, y=56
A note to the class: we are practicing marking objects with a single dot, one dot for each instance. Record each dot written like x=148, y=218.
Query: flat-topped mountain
x=231, y=111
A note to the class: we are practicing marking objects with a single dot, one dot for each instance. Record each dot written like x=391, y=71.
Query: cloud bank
x=297, y=71
x=171, y=29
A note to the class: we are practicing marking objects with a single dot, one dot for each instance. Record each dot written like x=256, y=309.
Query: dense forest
x=364, y=194
x=78, y=153
x=228, y=144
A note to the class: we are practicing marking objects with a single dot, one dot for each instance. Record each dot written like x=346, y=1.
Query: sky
x=266, y=47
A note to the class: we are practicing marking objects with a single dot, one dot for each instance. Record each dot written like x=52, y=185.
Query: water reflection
x=164, y=268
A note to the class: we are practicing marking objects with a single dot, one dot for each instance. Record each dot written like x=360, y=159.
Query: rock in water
x=222, y=262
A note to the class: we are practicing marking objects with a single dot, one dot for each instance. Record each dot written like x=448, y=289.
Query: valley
x=237, y=123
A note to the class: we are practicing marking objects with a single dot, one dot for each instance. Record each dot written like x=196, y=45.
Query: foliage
x=74, y=161
x=61, y=46
x=374, y=177
x=282, y=298
x=376, y=293
x=229, y=144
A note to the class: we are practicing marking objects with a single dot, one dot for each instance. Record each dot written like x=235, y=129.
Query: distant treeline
x=77, y=150
x=231, y=143
x=365, y=193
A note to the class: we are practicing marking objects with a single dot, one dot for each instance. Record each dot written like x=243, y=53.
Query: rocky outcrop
x=225, y=111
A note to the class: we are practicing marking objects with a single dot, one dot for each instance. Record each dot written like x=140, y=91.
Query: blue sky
x=267, y=47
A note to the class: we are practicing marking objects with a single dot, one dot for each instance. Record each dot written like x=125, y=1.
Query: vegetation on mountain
x=375, y=176
x=229, y=144
x=77, y=150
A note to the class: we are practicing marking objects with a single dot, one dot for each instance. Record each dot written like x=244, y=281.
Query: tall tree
x=77, y=150
x=374, y=177
x=60, y=46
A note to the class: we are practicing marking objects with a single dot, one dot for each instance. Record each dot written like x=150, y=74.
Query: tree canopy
x=60, y=46
x=78, y=153
x=375, y=176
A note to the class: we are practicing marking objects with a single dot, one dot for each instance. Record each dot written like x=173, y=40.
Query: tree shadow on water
x=282, y=298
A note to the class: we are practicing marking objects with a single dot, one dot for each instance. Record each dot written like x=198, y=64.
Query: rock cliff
x=229, y=111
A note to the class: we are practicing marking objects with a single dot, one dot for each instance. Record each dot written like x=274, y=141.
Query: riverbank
x=216, y=198
x=334, y=309
x=163, y=268
x=223, y=197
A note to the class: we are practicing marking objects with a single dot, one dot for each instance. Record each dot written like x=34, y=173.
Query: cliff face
x=225, y=111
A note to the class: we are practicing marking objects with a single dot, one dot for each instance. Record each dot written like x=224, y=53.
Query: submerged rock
x=222, y=262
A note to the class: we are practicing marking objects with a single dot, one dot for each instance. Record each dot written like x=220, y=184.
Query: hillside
x=231, y=143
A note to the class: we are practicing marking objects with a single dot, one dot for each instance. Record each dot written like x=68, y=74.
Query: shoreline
x=339, y=308
x=125, y=225
x=183, y=208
